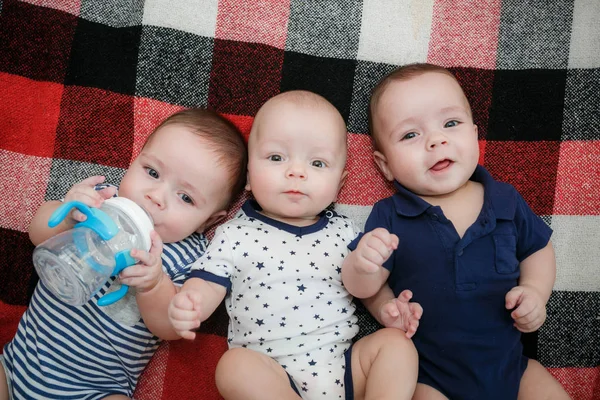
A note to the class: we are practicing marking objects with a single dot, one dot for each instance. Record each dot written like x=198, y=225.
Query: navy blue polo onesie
x=468, y=347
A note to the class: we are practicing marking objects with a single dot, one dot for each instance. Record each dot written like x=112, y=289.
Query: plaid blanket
x=83, y=82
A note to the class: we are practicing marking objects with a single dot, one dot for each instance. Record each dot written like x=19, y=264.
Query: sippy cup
x=75, y=264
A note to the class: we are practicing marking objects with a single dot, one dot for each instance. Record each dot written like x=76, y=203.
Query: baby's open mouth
x=440, y=165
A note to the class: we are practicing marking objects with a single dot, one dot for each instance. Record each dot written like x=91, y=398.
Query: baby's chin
x=440, y=190
x=293, y=218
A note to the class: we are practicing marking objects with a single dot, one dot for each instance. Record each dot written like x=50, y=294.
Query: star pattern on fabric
x=286, y=296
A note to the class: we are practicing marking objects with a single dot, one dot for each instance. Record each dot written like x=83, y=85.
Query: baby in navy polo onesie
x=474, y=255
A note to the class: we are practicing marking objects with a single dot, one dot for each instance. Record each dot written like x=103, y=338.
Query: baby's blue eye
x=409, y=135
x=275, y=157
x=318, y=164
x=451, y=124
x=152, y=172
x=186, y=198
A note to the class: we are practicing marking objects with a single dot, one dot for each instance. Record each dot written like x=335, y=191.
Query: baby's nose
x=296, y=171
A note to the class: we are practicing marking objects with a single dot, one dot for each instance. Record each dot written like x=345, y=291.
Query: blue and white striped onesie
x=87, y=352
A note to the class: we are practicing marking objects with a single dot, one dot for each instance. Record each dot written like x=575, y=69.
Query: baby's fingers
x=87, y=196
x=372, y=259
x=389, y=315
x=388, y=239
x=416, y=311
x=77, y=215
x=107, y=192
x=524, y=309
x=390, y=309
x=92, y=180
x=187, y=334
x=530, y=325
x=183, y=320
x=157, y=244
x=405, y=296
x=144, y=257
x=412, y=327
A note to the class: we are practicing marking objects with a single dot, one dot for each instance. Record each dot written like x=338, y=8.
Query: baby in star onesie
x=278, y=266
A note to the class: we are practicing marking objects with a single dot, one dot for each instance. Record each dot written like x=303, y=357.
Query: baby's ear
x=342, y=181
x=382, y=163
x=247, y=187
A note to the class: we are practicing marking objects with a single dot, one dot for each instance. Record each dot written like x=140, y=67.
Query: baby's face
x=297, y=156
x=177, y=179
x=427, y=137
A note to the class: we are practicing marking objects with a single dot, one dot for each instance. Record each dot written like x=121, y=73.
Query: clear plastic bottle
x=75, y=264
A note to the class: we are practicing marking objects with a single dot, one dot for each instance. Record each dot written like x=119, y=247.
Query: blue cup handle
x=113, y=297
x=97, y=220
x=123, y=260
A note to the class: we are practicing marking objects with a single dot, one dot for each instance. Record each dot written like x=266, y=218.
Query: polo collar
x=497, y=195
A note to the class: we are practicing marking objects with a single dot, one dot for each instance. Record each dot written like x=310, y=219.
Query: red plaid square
x=260, y=21
x=465, y=35
x=29, y=113
x=25, y=178
x=88, y=118
x=529, y=166
x=578, y=179
x=70, y=6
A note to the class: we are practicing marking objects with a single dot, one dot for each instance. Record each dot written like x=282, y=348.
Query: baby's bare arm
x=539, y=271
x=154, y=304
x=528, y=300
x=193, y=304
x=39, y=229
x=362, y=271
x=361, y=284
x=374, y=303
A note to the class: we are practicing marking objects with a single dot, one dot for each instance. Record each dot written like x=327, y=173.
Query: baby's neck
x=465, y=191
x=294, y=221
x=461, y=206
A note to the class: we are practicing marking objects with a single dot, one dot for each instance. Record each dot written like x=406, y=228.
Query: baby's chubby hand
x=184, y=314
x=400, y=313
x=373, y=249
x=529, y=308
x=84, y=192
x=148, y=272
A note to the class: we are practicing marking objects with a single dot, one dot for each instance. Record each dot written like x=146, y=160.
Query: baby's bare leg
x=426, y=392
x=3, y=384
x=538, y=384
x=384, y=366
x=248, y=375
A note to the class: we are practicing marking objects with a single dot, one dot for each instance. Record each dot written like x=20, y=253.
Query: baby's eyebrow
x=153, y=159
x=453, y=109
x=193, y=190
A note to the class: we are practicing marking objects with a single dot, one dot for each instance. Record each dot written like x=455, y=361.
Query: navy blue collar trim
x=252, y=208
x=496, y=194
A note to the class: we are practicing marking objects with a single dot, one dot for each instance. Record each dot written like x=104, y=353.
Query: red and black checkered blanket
x=82, y=82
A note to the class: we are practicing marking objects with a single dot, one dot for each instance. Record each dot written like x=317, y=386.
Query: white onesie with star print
x=285, y=294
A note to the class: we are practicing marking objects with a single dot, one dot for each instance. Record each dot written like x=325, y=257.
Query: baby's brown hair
x=222, y=136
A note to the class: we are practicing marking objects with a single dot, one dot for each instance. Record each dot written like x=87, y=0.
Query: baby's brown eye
x=275, y=157
x=318, y=164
